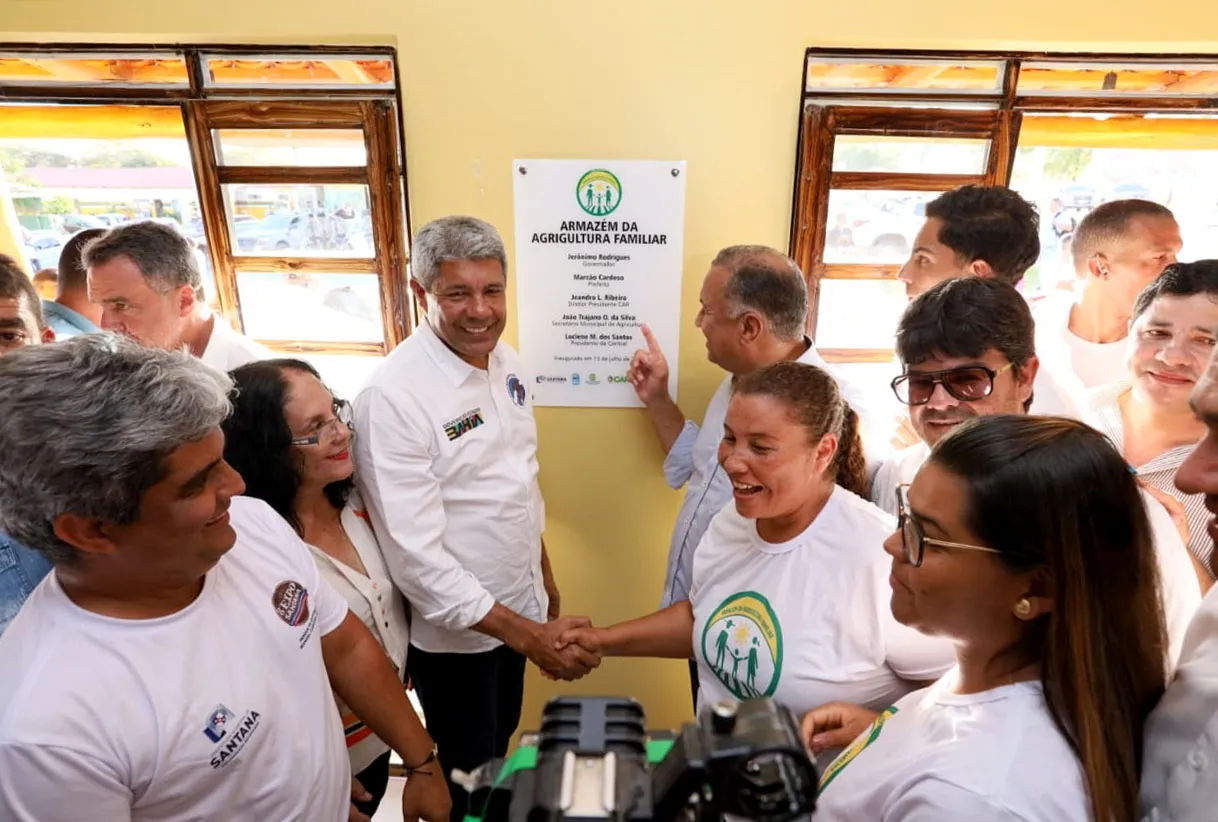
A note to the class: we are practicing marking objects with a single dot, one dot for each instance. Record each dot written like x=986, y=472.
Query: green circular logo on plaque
x=598, y=192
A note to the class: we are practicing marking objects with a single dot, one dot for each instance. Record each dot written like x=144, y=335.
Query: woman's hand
x=834, y=725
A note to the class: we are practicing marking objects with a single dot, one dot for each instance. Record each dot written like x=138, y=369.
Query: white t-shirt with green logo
x=807, y=621
x=937, y=756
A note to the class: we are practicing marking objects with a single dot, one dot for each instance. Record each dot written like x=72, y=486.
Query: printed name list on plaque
x=598, y=253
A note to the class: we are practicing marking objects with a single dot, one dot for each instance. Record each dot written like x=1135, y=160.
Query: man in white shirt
x=174, y=665
x=446, y=449
x=973, y=231
x=754, y=312
x=1118, y=250
x=1179, y=781
x=978, y=231
x=968, y=350
x=146, y=278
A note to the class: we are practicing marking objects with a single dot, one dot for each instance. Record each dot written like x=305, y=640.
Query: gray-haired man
x=447, y=450
x=174, y=664
x=146, y=278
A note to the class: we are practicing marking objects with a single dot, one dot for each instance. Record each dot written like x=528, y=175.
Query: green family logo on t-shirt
x=856, y=747
x=742, y=644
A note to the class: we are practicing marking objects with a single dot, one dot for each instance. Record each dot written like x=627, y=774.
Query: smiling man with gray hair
x=173, y=666
x=447, y=451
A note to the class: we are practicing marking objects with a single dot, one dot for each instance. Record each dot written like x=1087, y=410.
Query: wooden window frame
x=375, y=110
x=996, y=116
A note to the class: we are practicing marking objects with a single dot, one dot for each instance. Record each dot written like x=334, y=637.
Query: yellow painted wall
x=713, y=82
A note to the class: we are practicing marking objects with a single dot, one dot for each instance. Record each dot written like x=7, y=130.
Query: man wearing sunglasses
x=967, y=347
x=968, y=350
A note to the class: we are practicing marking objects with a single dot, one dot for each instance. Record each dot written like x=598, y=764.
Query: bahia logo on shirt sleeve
x=517, y=391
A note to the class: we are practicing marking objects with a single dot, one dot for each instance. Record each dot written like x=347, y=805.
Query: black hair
x=258, y=442
x=1180, y=280
x=989, y=223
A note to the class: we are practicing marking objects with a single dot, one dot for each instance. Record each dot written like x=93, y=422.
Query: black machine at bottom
x=593, y=759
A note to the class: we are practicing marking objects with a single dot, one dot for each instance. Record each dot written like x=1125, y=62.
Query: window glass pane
x=859, y=313
x=290, y=147
x=299, y=220
x=909, y=155
x=1067, y=182
x=1117, y=80
x=343, y=374
x=60, y=186
x=300, y=71
x=878, y=74
x=874, y=226
x=874, y=381
x=312, y=307
x=93, y=70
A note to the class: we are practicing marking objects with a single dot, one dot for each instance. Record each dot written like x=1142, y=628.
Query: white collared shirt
x=378, y=604
x=226, y=349
x=693, y=461
x=1180, y=763
x=448, y=470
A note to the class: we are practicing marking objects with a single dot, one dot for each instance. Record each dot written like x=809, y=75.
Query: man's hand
x=1175, y=508
x=562, y=660
x=648, y=371
x=425, y=795
x=358, y=794
x=834, y=725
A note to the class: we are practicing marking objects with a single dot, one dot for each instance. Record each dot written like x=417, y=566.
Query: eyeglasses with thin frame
x=913, y=541
x=967, y=384
x=328, y=430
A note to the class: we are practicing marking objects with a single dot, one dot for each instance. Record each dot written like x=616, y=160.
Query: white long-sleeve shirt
x=447, y=457
x=1180, y=765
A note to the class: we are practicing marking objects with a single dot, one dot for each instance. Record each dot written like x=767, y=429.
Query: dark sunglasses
x=967, y=384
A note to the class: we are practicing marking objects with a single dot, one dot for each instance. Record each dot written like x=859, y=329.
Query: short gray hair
x=163, y=256
x=85, y=426
x=769, y=282
x=453, y=238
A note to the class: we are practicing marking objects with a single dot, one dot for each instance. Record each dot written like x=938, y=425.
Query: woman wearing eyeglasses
x=790, y=584
x=290, y=439
x=1024, y=542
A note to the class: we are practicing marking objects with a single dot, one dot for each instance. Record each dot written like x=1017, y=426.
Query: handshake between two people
x=565, y=649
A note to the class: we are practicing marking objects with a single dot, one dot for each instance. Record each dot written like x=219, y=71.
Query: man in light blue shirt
x=21, y=324
x=71, y=314
x=754, y=313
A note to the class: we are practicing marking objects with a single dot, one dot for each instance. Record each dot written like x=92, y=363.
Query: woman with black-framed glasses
x=1024, y=541
x=290, y=439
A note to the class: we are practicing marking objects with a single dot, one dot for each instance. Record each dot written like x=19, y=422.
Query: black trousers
x=693, y=682
x=471, y=703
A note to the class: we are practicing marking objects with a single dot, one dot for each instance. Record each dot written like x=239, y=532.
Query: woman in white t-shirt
x=1024, y=541
x=289, y=438
x=790, y=582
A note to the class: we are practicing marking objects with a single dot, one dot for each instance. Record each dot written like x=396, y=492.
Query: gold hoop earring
x=1023, y=608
